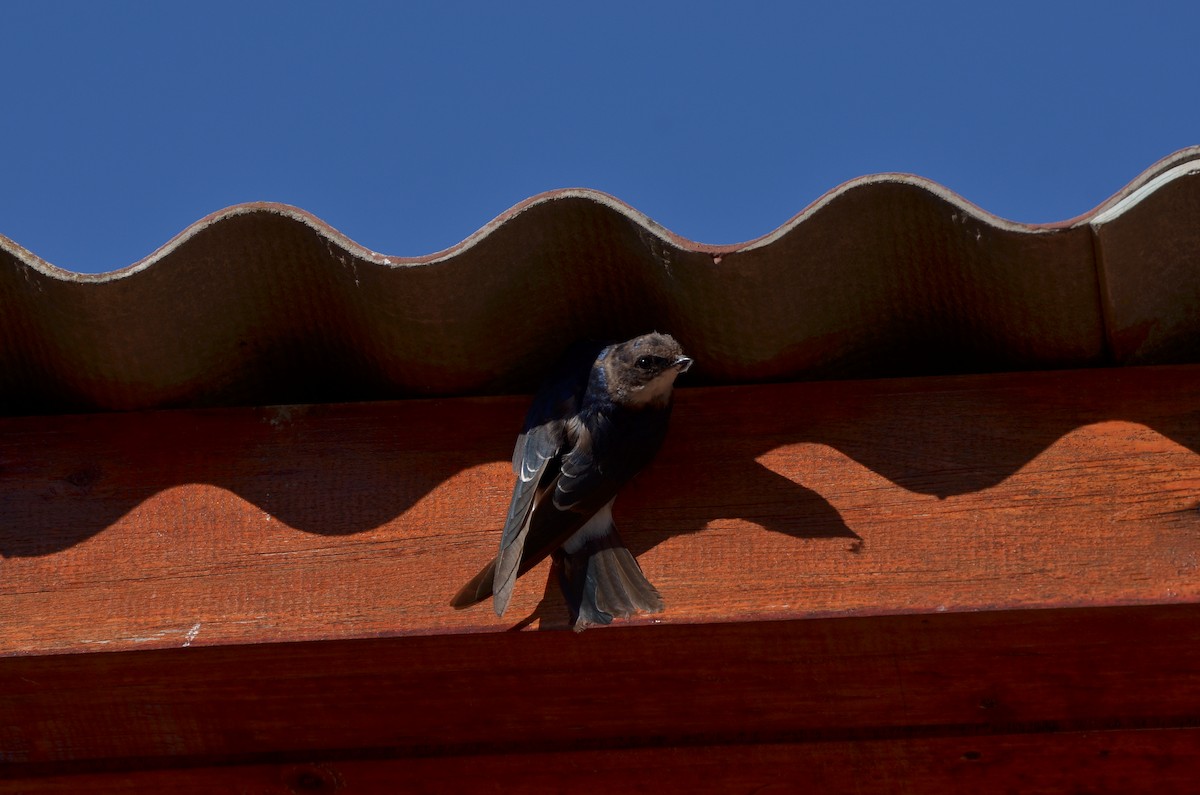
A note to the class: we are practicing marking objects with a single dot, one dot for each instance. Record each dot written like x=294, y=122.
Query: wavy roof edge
x=888, y=275
x=1183, y=162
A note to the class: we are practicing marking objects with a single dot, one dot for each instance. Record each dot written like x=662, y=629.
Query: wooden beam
x=1131, y=762
x=903, y=679
x=159, y=529
x=841, y=562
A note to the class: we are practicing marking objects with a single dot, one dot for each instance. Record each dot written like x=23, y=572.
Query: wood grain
x=160, y=529
x=1146, y=761
x=889, y=562
x=820, y=680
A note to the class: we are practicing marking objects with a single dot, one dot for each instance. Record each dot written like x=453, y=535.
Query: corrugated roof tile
x=885, y=275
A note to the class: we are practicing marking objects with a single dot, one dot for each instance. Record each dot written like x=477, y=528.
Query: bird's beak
x=682, y=364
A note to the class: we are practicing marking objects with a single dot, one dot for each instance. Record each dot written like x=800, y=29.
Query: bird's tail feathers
x=602, y=581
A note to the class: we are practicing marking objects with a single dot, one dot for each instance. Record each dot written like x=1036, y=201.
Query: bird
x=598, y=420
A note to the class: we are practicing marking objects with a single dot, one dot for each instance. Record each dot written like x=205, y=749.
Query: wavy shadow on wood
x=339, y=470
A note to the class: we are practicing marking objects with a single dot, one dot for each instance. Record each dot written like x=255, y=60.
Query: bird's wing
x=605, y=455
x=547, y=435
x=567, y=489
x=536, y=464
x=530, y=533
x=583, y=477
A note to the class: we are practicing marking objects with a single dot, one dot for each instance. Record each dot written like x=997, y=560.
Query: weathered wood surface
x=1146, y=761
x=925, y=683
x=253, y=525
x=193, y=548
x=815, y=681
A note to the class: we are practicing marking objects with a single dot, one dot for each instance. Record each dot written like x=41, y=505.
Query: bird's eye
x=650, y=362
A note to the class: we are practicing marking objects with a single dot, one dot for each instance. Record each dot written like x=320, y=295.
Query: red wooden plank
x=820, y=680
x=256, y=525
x=1126, y=762
x=878, y=561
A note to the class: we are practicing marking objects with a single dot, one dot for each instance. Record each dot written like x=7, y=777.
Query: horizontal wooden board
x=160, y=529
x=1126, y=762
x=810, y=681
x=882, y=561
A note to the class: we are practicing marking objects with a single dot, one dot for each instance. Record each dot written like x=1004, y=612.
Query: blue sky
x=409, y=126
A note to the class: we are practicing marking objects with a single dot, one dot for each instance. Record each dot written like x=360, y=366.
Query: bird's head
x=641, y=372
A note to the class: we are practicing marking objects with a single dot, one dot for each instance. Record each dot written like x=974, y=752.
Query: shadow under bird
x=596, y=422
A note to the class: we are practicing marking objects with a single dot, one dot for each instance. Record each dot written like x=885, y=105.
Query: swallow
x=597, y=421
